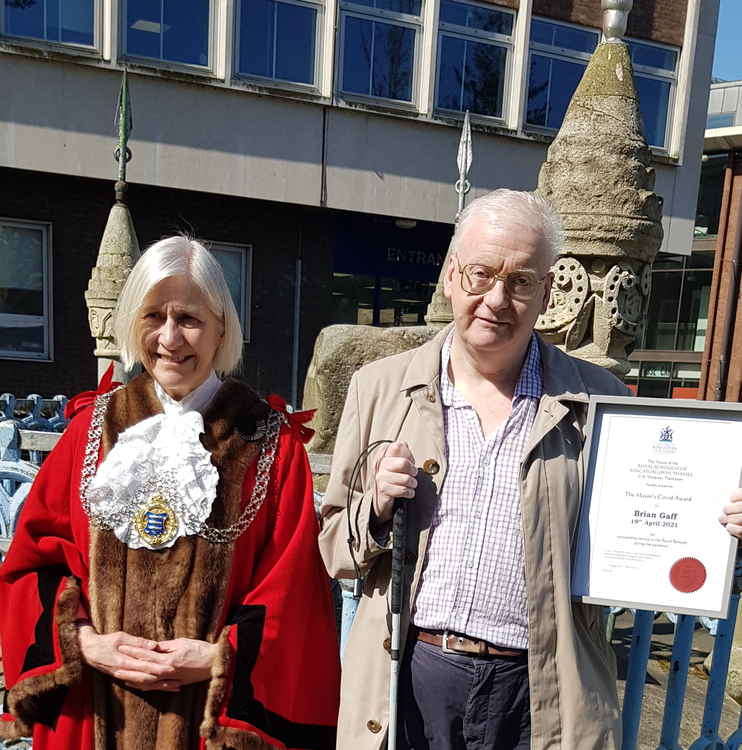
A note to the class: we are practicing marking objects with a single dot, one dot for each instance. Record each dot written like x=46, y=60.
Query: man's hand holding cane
x=395, y=478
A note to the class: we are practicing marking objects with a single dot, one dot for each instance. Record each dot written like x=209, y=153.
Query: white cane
x=399, y=538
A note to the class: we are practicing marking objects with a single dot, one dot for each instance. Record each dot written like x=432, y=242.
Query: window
x=559, y=56
x=379, y=39
x=175, y=31
x=720, y=119
x=59, y=21
x=236, y=262
x=677, y=315
x=278, y=40
x=473, y=53
x=25, y=290
x=654, y=78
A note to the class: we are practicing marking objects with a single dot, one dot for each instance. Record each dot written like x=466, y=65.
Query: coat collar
x=562, y=380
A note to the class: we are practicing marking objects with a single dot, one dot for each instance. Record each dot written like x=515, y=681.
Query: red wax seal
x=688, y=574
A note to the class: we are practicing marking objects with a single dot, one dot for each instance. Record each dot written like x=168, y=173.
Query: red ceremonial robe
x=264, y=598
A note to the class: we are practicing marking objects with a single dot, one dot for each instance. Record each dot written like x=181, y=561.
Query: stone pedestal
x=339, y=351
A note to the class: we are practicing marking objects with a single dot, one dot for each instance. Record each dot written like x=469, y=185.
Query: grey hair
x=177, y=256
x=503, y=206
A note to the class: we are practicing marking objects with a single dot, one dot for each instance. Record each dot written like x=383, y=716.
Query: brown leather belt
x=460, y=644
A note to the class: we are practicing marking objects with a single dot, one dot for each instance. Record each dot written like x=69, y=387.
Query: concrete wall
x=58, y=117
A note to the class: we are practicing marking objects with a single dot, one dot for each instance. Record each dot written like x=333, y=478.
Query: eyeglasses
x=477, y=278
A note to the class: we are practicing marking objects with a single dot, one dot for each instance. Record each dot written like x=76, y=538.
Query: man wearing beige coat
x=497, y=654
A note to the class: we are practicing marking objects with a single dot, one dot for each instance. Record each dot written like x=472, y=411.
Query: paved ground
x=656, y=682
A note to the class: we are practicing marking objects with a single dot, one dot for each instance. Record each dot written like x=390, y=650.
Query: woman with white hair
x=164, y=588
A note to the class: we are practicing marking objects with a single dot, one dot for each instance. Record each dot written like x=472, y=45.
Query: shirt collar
x=197, y=400
x=529, y=382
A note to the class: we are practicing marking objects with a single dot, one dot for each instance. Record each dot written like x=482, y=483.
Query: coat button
x=373, y=726
x=430, y=395
x=431, y=466
x=388, y=644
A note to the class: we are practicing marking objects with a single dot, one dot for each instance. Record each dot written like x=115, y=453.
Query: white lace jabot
x=197, y=400
x=158, y=483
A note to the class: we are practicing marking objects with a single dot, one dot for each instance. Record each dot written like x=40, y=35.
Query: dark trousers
x=460, y=702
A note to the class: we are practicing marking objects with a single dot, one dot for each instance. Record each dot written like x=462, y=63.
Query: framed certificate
x=658, y=474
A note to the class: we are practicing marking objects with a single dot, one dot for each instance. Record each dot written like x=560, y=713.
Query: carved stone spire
x=598, y=177
x=118, y=252
x=615, y=18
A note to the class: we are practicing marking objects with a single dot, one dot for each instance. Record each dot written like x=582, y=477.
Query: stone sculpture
x=118, y=252
x=598, y=177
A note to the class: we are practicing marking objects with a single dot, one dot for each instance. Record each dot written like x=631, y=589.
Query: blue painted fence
x=22, y=450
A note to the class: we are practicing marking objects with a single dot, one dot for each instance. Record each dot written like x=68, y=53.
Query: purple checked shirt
x=473, y=582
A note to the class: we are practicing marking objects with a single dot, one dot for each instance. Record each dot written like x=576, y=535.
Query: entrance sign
x=659, y=473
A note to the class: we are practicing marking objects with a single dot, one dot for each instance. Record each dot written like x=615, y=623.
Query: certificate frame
x=583, y=559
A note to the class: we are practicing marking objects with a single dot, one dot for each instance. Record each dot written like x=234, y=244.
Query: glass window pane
x=654, y=388
x=411, y=7
x=185, y=31
x=77, y=21
x=653, y=57
x=22, y=338
x=231, y=261
x=143, y=28
x=565, y=78
x=575, y=39
x=550, y=89
x=542, y=32
x=663, y=310
x=392, y=61
x=357, y=55
x=22, y=289
x=180, y=35
x=538, y=90
x=24, y=19
x=654, y=100
x=21, y=271
x=53, y=9
x=485, y=78
x=451, y=72
x=566, y=37
x=295, y=35
x=256, y=37
x=701, y=259
x=667, y=261
x=721, y=120
x=694, y=308
x=476, y=17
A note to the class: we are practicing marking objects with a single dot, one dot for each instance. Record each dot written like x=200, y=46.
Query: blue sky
x=727, y=57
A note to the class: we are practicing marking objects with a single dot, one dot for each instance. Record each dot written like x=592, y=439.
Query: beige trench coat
x=571, y=666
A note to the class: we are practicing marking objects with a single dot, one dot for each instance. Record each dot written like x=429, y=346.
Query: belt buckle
x=446, y=648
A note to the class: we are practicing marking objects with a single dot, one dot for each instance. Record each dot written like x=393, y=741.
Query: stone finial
x=615, y=18
x=118, y=252
x=598, y=176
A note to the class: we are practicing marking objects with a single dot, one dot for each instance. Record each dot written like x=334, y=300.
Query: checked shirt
x=473, y=582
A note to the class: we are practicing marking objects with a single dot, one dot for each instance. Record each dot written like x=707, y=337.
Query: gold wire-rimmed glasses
x=478, y=278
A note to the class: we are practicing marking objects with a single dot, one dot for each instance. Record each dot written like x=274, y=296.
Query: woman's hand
x=731, y=518
x=187, y=659
x=111, y=655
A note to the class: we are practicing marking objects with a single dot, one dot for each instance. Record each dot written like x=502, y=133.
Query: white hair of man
x=177, y=256
x=505, y=207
